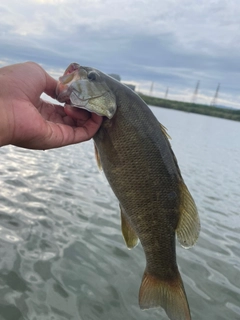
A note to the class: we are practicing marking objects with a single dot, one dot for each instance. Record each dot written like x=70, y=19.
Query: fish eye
x=92, y=76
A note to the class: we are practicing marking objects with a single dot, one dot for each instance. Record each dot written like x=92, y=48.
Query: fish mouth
x=64, y=90
x=63, y=93
x=71, y=68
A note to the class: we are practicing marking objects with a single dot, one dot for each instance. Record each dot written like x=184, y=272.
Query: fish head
x=86, y=88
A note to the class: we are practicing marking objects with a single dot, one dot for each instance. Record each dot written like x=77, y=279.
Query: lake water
x=62, y=255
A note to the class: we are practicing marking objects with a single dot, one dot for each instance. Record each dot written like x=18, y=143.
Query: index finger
x=51, y=85
x=77, y=113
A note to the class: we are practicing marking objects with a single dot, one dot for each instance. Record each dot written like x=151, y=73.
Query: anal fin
x=128, y=233
x=97, y=156
x=189, y=224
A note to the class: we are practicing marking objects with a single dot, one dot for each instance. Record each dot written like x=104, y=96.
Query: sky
x=157, y=45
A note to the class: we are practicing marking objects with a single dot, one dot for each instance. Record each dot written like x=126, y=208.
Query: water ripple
x=62, y=252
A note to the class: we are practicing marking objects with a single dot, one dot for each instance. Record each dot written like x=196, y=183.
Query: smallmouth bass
x=133, y=150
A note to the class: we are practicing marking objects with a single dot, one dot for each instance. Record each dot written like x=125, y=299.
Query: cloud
x=171, y=43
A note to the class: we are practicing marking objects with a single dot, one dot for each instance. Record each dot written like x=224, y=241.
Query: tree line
x=213, y=111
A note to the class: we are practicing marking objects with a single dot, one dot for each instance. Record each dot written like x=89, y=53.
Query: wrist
x=5, y=125
x=5, y=107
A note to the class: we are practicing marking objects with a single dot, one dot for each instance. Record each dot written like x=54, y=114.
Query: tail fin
x=171, y=296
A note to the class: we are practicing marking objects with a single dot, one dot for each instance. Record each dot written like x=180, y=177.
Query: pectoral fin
x=129, y=234
x=189, y=224
x=97, y=156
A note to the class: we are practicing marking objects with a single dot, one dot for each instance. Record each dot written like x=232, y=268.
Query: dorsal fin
x=164, y=131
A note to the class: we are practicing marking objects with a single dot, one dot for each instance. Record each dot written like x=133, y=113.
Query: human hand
x=28, y=121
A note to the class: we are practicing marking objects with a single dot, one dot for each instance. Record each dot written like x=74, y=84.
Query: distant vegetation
x=232, y=114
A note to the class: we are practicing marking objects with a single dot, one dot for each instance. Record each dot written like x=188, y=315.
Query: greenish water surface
x=62, y=255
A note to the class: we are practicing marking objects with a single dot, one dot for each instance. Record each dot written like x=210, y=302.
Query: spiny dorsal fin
x=164, y=131
x=97, y=156
x=189, y=224
x=128, y=233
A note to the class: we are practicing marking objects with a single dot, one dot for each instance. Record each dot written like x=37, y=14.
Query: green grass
x=232, y=114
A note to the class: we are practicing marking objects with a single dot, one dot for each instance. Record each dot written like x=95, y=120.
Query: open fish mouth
x=64, y=90
x=85, y=89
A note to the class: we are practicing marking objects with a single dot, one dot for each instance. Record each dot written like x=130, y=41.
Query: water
x=62, y=255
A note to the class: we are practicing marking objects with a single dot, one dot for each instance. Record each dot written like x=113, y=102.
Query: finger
x=94, y=122
x=83, y=117
x=51, y=85
x=50, y=111
x=45, y=82
x=44, y=105
x=77, y=113
x=88, y=129
x=59, y=135
x=91, y=126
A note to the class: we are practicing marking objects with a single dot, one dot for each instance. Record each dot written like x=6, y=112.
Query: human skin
x=29, y=122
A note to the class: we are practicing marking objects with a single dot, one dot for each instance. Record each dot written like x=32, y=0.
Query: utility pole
x=194, y=98
x=151, y=88
x=214, y=100
x=166, y=93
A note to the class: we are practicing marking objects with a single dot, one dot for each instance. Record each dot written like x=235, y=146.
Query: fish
x=134, y=152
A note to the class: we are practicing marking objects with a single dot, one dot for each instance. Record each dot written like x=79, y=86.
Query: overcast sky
x=170, y=43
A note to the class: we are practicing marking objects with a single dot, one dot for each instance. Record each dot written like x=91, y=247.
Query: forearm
x=4, y=119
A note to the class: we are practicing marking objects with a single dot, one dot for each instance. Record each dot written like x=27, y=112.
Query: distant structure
x=151, y=89
x=166, y=93
x=131, y=86
x=194, y=98
x=214, y=100
x=115, y=76
x=118, y=78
